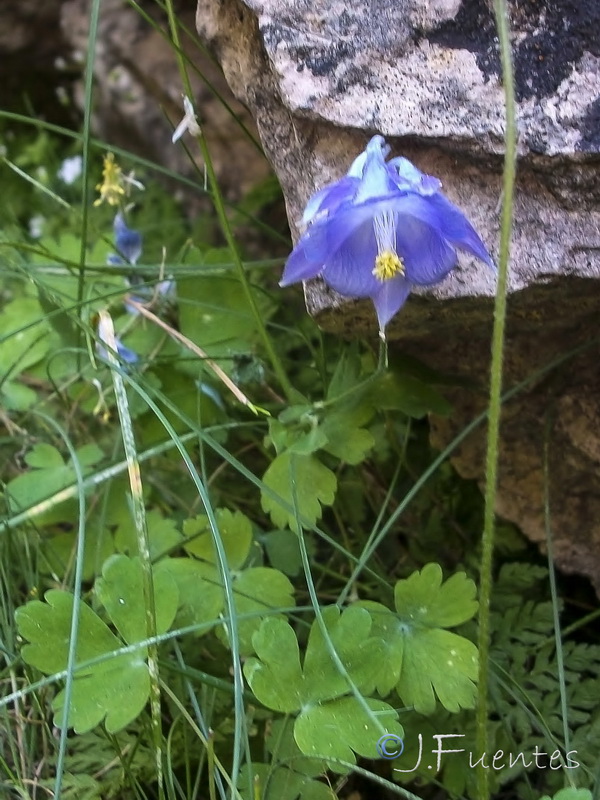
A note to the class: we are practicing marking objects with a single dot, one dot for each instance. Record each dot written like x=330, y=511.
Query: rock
x=31, y=48
x=138, y=92
x=320, y=77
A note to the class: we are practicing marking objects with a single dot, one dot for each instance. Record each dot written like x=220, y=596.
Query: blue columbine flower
x=380, y=230
x=126, y=355
x=127, y=241
x=129, y=244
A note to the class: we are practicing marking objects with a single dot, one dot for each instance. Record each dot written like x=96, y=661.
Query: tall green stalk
x=86, y=141
x=107, y=336
x=495, y=403
x=219, y=204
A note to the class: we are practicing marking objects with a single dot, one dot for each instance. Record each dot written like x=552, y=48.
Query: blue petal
x=349, y=267
x=390, y=298
x=458, y=230
x=408, y=177
x=358, y=165
x=330, y=198
x=127, y=241
x=350, y=246
x=427, y=256
x=376, y=180
x=125, y=354
x=300, y=266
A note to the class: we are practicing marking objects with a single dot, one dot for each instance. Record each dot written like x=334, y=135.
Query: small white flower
x=70, y=169
x=188, y=123
x=36, y=226
x=131, y=180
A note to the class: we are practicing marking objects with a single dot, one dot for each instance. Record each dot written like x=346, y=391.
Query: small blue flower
x=127, y=242
x=126, y=355
x=380, y=230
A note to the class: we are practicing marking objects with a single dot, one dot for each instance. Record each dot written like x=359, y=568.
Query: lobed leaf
x=423, y=599
x=114, y=690
x=301, y=481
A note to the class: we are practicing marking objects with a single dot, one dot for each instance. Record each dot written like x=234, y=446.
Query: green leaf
x=344, y=439
x=329, y=724
x=236, y=534
x=89, y=454
x=336, y=729
x=280, y=783
x=422, y=660
x=200, y=592
x=276, y=647
x=16, y=397
x=44, y=455
x=258, y=590
x=401, y=392
x=297, y=429
x=346, y=375
x=570, y=793
x=115, y=690
x=214, y=312
x=385, y=627
x=31, y=487
x=283, y=550
x=163, y=535
x=438, y=662
x=435, y=661
x=422, y=599
x=275, y=676
x=300, y=480
x=290, y=774
x=25, y=339
x=121, y=592
x=283, y=748
x=359, y=652
x=49, y=474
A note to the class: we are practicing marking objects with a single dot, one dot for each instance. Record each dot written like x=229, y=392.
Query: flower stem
x=495, y=405
x=107, y=336
x=383, y=352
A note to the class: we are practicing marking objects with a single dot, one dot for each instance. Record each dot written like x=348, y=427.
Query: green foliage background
x=286, y=579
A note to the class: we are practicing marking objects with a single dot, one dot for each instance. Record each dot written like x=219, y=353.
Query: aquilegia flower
x=380, y=230
x=127, y=241
x=129, y=244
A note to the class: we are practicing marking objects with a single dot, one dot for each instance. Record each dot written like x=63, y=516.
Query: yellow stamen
x=111, y=189
x=387, y=265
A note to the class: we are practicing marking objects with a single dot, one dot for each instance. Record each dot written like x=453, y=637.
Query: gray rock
x=320, y=77
x=138, y=94
x=31, y=50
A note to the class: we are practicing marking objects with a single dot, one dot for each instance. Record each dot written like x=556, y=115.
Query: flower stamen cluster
x=387, y=266
x=111, y=189
x=388, y=263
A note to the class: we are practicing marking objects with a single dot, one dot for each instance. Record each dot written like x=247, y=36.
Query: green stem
x=107, y=335
x=86, y=140
x=74, y=627
x=382, y=364
x=558, y=640
x=224, y=221
x=495, y=403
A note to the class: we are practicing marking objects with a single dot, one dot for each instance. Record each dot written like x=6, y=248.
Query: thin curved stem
x=495, y=403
